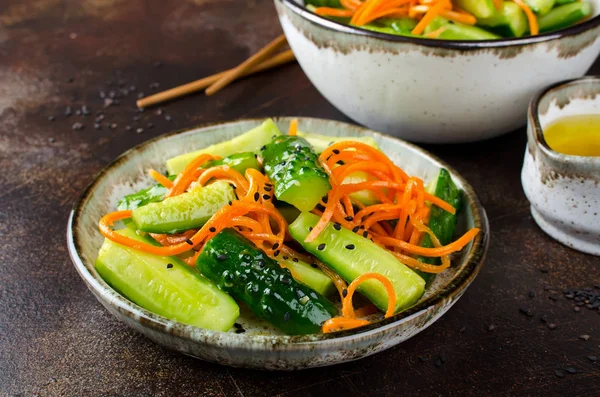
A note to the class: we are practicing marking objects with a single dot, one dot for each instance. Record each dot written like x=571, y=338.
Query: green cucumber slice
x=511, y=21
x=186, y=211
x=250, y=141
x=177, y=292
x=564, y=16
x=332, y=247
x=479, y=8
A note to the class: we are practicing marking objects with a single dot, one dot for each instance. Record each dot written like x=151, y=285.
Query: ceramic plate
x=262, y=346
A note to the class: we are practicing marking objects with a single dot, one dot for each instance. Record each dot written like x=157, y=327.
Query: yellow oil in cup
x=575, y=135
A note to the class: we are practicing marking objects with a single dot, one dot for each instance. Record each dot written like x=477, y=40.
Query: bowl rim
x=453, y=289
x=329, y=24
x=533, y=120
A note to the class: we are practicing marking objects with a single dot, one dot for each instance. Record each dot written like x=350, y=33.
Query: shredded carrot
x=348, y=319
x=293, y=127
x=431, y=252
x=531, y=18
x=351, y=4
x=434, y=34
x=428, y=17
x=333, y=12
x=188, y=175
x=498, y=4
x=160, y=178
x=462, y=17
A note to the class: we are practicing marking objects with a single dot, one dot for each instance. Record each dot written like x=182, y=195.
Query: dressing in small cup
x=564, y=189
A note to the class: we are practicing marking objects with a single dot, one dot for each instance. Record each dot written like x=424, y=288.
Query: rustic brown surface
x=55, y=339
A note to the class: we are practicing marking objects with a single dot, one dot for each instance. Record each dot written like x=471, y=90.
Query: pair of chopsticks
x=215, y=83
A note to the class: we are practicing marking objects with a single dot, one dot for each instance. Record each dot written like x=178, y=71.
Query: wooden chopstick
x=189, y=88
x=239, y=70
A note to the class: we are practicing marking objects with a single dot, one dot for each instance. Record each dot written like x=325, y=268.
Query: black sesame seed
x=50, y=118
x=276, y=253
x=240, y=331
x=350, y=247
x=264, y=147
x=321, y=247
x=285, y=257
x=256, y=196
x=310, y=228
x=286, y=316
x=230, y=203
x=324, y=199
x=551, y=326
x=365, y=234
x=314, y=265
x=187, y=240
x=337, y=226
x=286, y=280
x=283, y=162
x=222, y=257
x=261, y=263
x=275, y=246
x=571, y=370
x=267, y=188
x=295, y=259
x=237, y=325
x=212, y=229
x=593, y=358
x=344, y=292
x=544, y=271
x=232, y=186
x=355, y=229
x=169, y=265
x=336, y=151
x=266, y=197
x=559, y=373
x=348, y=218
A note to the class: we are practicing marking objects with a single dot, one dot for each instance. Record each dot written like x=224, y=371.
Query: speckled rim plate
x=447, y=295
x=450, y=44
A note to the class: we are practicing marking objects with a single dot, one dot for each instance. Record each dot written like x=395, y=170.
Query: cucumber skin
x=564, y=16
x=441, y=222
x=294, y=169
x=175, y=280
x=268, y=290
x=186, y=211
x=540, y=7
x=479, y=8
x=239, y=162
x=250, y=141
x=368, y=257
x=510, y=22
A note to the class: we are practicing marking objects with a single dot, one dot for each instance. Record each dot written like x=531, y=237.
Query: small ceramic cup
x=564, y=190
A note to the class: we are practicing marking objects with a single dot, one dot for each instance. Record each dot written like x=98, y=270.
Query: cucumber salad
x=455, y=19
x=291, y=226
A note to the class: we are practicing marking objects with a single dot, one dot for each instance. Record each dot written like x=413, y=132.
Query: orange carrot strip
x=432, y=252
x=534, y=29
x=293, y=127
x=434, y=34
x=341, y=324
x=186, y=176
x=462, y=17
x=160, y=178
x=333, y=12
x=348, y=308
x=428, y=17
x=366, y=310
x=351, y=4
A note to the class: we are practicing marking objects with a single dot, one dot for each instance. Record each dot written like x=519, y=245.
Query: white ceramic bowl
x=434, y=91
x=263, y=346
x=564, y=190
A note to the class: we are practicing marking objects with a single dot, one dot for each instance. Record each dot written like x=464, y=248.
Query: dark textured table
x=56, y=339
